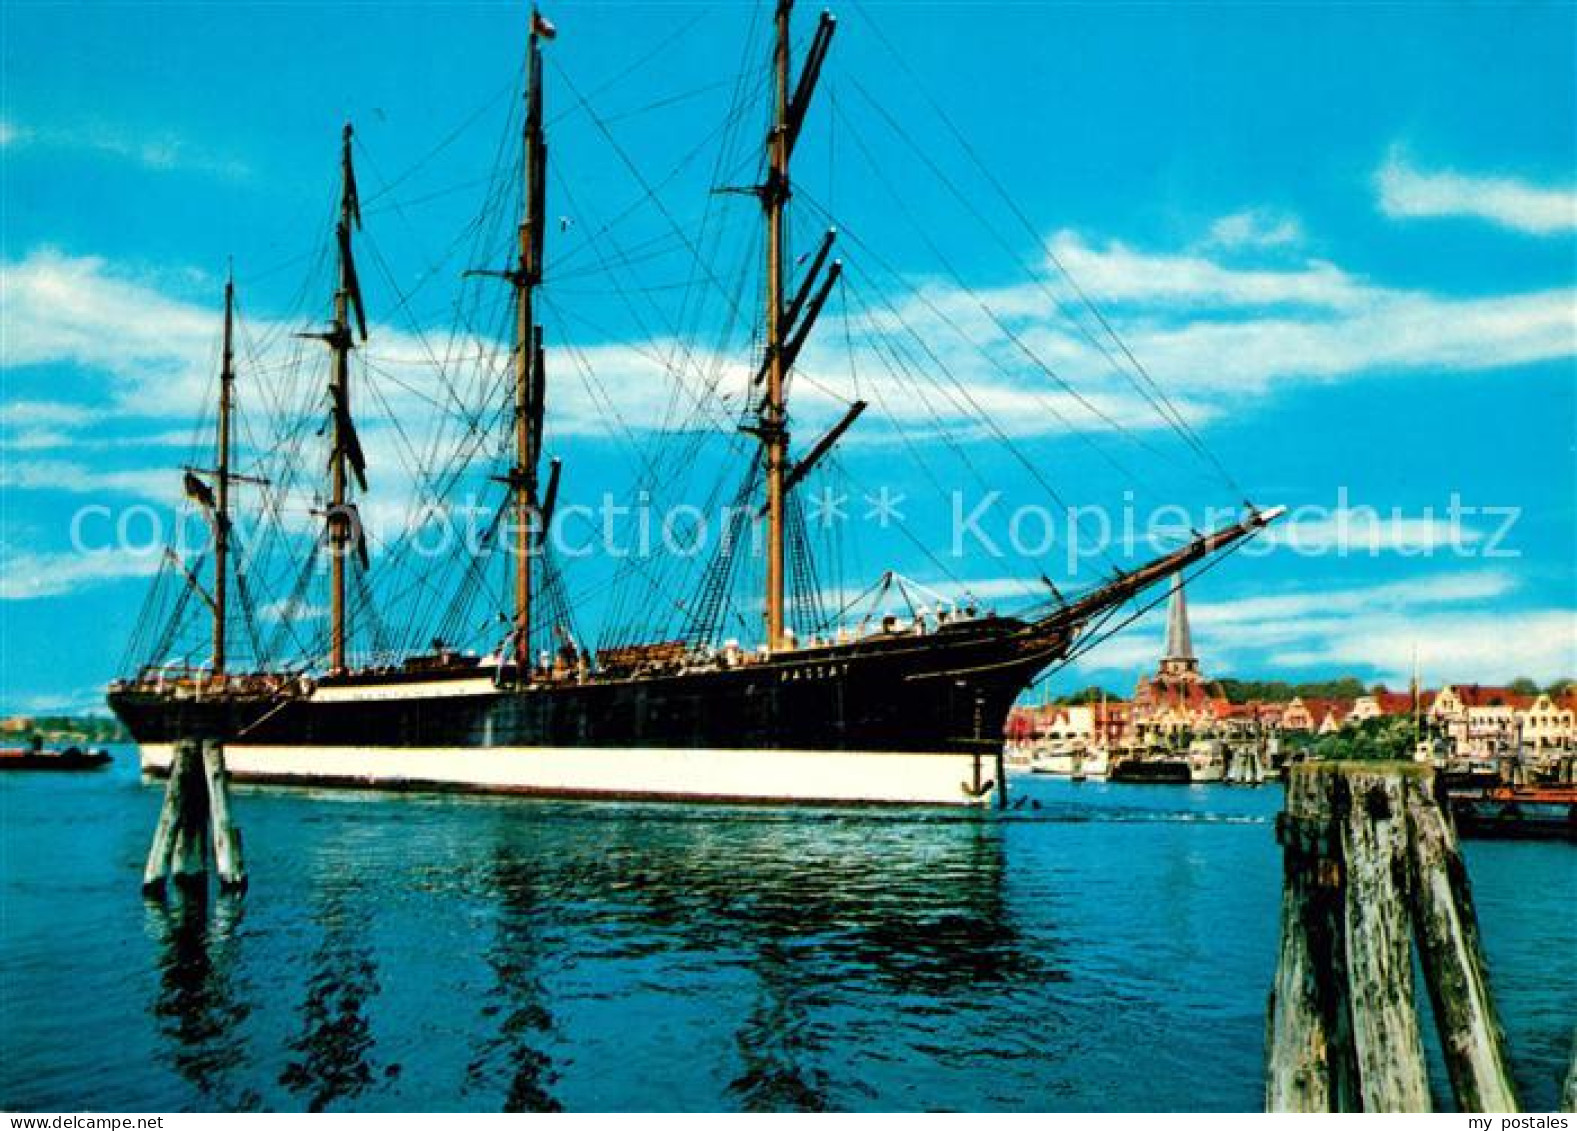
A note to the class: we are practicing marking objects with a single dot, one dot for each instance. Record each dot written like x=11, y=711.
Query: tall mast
x=529, y=369
x=222, y=476
x=773, y=415
x=345, y=457
x=788, y=324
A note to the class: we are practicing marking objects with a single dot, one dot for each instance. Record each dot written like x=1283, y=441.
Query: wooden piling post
x=1453, y=964
x=226, y=837
x=162, y=851
x=1307, y=1041
x=190, y=864
x=1370, y=864
x=1344, y=1031
x=196, y=806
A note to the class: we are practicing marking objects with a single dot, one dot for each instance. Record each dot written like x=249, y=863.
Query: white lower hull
x=724, y=775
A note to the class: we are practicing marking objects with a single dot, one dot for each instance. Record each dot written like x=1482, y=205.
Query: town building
x=1550, y=725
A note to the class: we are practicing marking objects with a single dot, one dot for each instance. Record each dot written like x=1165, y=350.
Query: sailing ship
x=909, y=712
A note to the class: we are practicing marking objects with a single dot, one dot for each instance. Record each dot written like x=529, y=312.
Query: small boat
x=1058, y=758
x=1206, y=762
x=1165, y=770
x=1517, y=811
x=1094, y=763
x=37, y=758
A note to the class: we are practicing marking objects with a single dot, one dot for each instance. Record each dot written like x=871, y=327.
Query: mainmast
x=222, y=479
x=786, y=326
x=530, y=371
x=774, y=427
x=345, y=456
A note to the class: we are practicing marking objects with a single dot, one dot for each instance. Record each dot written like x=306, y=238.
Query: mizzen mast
x=222, y=479
x=215, y=500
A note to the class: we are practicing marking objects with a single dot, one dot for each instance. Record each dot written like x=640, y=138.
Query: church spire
x=1179, y=641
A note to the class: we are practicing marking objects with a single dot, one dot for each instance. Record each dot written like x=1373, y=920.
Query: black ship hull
x=903, y=718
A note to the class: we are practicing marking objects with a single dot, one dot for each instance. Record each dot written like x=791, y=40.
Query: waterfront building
x=1363, y=708
x=1480, y=722
x=1334, y=719
x=1297, y=717
x=1310, y=715
x=1177, y=703
x=1550, y=725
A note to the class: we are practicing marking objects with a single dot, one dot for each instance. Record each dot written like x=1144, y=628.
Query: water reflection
x=778, y=1043
x=331, y=1057
x=201, y=1002
x=518, y=1000
x=811, y=916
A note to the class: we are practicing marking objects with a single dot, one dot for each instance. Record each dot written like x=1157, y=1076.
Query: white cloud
x=28, y=576
x=1210, y=331
x=81, y=479
x=1256, y=228
x=1407, y=192
x=1456, y=624
x=161, y=352
x=61, y=308
x=163, y=151
x=22, y=413
x=289, y=609
x=82, y=701
x=1207, y=330
x=1362, y=530
x=1463, y=646
x=1116, y=273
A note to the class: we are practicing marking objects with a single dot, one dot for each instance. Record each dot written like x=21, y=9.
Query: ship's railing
x=183, y=681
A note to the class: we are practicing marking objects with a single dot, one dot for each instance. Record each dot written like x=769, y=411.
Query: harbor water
x=1103, y=947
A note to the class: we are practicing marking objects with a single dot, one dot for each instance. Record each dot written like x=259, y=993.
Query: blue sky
x=1342, y=239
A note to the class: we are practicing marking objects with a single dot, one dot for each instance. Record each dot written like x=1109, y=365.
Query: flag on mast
x=540, y=25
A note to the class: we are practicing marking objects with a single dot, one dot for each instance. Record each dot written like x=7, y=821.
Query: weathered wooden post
x=196, y=805
x=189, y=868
x=227, y=838
x=1453, y=963
x=1370, y=862
x=1343, y=1028
x=162, y=853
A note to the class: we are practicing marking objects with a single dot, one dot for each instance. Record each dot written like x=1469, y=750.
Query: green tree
x=1383, y=739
